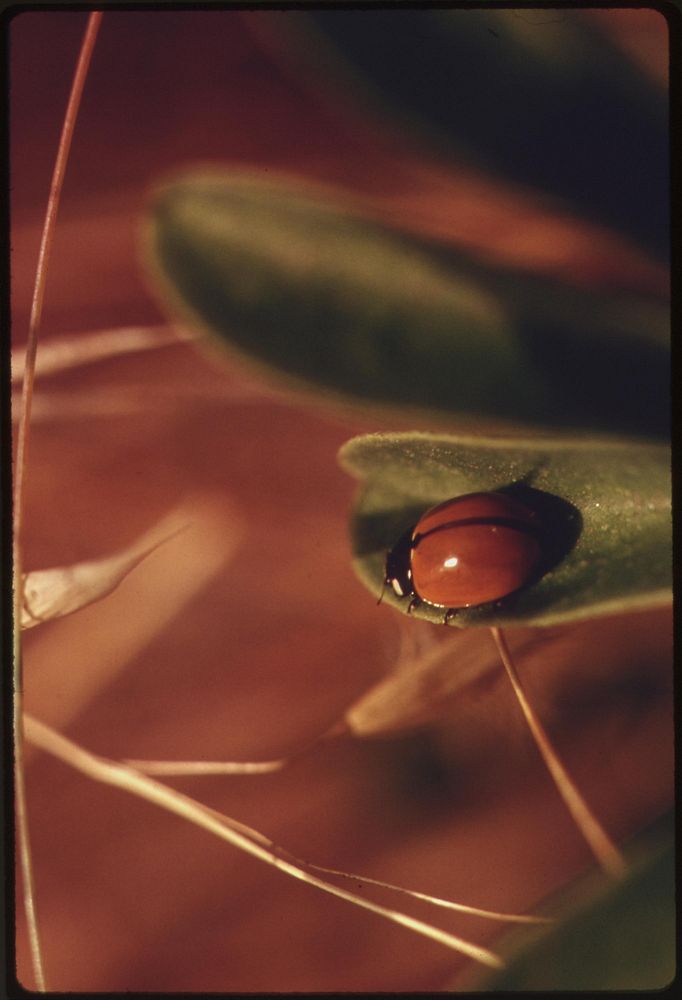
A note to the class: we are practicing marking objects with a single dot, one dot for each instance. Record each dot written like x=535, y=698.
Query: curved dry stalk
x=64, y=354
x=47, y=238
x=202, y=768
x=24, y=845
x=603, y=848
x=126, y=778
x=448, y=904
x=199, y=768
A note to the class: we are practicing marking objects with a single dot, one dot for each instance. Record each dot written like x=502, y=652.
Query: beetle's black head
x=398, y=573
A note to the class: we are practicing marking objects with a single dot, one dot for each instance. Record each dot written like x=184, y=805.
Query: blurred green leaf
x=305, y=286
x=540, y=97
x=619, y=939
x=605, y=511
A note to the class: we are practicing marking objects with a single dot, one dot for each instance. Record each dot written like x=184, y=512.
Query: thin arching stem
x=46, y=241
x=47, y=238
x=243, y=837
x=605, y=851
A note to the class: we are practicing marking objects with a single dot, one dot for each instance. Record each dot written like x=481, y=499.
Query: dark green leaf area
x=623, y=939
x=540, y=97
x=604, y=510
x=320, y=295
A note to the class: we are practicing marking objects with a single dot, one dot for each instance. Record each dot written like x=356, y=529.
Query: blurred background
x=248, y=636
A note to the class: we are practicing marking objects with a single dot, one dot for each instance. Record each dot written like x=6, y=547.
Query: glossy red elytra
x=467, y=551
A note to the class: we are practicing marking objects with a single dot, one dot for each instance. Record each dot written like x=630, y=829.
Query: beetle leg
x=449, y=614
x=414, y=603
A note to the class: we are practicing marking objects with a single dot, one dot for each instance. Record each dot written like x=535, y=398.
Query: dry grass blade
x=203, y=768
x=605, y=851
x=519, y=918
x=66, y=353
x=53, y=593
x=126, y=778
x=78, y=656
x=448, y=904
x=426, y=677
x=77, y=86
x=61, y=406
x=420, y=681
x=46, y=241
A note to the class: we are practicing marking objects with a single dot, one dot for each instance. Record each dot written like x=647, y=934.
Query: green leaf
x=604, y=507
x=538, y=97
x=303, y=285
x=619, y=939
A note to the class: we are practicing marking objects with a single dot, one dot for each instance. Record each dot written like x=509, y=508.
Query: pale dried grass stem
x=126, y=778
x=603, y=848
x=47, y=237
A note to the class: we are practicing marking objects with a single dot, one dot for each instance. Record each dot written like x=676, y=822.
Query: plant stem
x=605, y=851
x=46, y=241
x=126, y=778
x=24, y=844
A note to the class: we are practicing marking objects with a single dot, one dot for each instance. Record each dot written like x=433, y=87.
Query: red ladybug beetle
x=468, y=551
